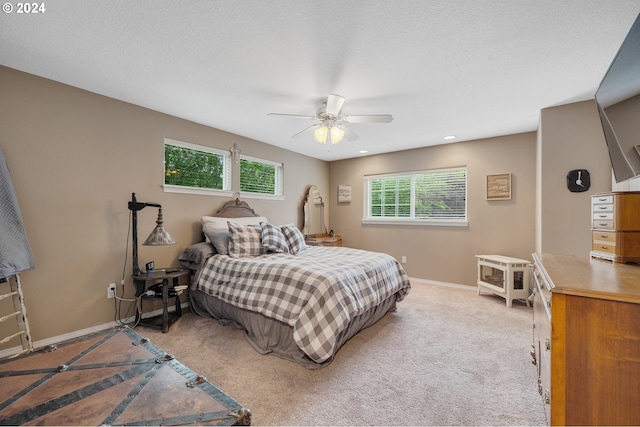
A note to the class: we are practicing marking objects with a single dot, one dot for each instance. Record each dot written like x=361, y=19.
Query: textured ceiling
x=474, y=69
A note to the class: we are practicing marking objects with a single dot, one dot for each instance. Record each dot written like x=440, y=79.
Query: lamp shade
x=321, y=134
x=336, y=134
x=159, y=236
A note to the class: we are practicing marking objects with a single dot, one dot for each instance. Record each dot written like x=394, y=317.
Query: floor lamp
x=158, y=237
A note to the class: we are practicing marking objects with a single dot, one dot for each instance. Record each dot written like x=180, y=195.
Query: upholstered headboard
x=216, y=233
x=235, y=209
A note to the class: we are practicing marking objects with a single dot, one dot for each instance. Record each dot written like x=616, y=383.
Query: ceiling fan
x=331, y=124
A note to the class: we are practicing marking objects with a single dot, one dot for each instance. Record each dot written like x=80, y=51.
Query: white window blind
x=434, y=197
x=261, y=177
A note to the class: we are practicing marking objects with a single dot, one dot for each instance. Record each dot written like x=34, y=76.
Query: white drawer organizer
x=504, y=276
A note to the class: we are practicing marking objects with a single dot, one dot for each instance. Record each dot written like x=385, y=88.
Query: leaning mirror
x=313, y=213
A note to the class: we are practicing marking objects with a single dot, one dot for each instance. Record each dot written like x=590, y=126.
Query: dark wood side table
x=168, y=279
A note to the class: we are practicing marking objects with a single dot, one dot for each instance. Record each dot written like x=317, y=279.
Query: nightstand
x=164, y=282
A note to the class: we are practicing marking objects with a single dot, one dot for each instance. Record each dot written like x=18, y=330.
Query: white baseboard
x=435, y=282
x=82, y=332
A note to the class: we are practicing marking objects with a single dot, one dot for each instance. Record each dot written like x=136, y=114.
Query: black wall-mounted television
x=618, y=101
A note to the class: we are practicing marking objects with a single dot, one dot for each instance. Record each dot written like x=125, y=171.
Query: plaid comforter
x=317, y=292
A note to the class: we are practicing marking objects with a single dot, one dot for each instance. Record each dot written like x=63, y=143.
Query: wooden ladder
x=19, y=313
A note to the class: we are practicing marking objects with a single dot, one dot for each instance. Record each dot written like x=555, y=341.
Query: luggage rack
x=19, y=313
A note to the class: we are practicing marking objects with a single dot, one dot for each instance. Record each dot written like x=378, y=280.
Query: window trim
x=440, y=222
x=169, y=188
x=226, y=177
x=279, y=179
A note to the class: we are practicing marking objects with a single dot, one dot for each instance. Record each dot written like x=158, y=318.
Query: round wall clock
x=578, y=180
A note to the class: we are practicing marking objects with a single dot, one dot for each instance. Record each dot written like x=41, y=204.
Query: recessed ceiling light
x=363, y=151
x=450, y=137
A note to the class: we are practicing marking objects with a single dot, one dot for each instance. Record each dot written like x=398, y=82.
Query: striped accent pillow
x=273, y=239
x=245, y=240
x=295, y=238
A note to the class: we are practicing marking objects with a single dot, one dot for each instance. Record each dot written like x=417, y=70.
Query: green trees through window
x=428, y=195
x=256, y=177
x=188, y=167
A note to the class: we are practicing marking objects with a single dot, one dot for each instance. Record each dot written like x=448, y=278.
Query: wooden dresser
x=615, y=221
x=587, y=339
x=323, y=240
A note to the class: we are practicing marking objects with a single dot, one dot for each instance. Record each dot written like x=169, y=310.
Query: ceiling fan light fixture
x=332, y=123
x=321, y=134
x=336, y=134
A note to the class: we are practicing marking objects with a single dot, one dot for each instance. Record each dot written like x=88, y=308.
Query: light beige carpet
x=447, y=356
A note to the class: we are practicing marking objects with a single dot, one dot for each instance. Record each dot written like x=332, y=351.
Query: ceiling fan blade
x=371, y=118
x=291, y=115
x=348, y=133
x=334, y=104
x=305, y=130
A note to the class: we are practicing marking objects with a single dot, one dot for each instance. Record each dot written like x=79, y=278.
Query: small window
x=190, y=168
x=434, y=197
x=260, y=178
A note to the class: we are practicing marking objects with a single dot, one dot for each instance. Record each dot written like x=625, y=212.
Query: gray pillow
x=195, y=255
x=219, y=238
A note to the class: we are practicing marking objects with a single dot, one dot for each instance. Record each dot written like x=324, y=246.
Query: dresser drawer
x=606, y=224
x=604, y=237
x=603, y=215
x=603, y=208
x=544, y=291
x=602, y=199
x=604, y=247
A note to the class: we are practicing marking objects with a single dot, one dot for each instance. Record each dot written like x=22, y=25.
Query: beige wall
x=447, y=254
x=75, y=158
x=569, y=137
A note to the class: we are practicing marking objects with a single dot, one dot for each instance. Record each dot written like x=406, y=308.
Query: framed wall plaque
x=499, y=187
x=344, y=193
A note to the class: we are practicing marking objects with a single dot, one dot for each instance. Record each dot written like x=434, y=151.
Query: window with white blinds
x=196, y=169
x=434, y=197
x=260, y=178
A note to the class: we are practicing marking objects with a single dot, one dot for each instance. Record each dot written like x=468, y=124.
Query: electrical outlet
x=404, y=259
x=111, y=290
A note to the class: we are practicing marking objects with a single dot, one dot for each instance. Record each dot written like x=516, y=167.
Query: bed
x=298, y=302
